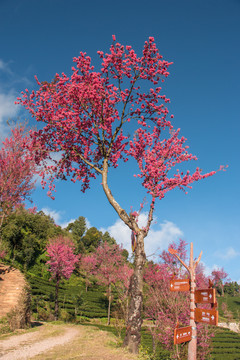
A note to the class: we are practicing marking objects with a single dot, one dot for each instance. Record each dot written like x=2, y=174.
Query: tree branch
x=131, y=223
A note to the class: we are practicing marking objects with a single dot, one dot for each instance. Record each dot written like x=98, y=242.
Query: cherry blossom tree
x=87, y=267
x=122, y=288
x=17, y=168
x=61, y=262
x=218, y=277
x=87, y=120
x=108, y=270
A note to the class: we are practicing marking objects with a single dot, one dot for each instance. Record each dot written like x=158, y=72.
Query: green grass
x=233, y=304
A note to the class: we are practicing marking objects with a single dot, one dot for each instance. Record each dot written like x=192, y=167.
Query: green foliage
x=87, y=240
x=232, y=289
x=91, y=239
x=233, y=305
x=25, y=235
x=107, y=238
x=78, y=229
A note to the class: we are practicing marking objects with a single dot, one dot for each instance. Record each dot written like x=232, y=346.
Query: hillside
x=12, y=283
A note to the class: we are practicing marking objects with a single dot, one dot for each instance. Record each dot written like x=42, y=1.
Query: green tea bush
x=73, y=299
x=225, y=345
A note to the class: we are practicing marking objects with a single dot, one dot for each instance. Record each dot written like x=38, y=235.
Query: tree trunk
x=134, y=323
x=109, y=303
x=56, y=300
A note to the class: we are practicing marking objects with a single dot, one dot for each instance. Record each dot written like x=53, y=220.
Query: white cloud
x=56, y=215
x=228, y=254
x=66, y=223
x=5, y=68
x=8, y=110
x=208, y=269
x=88, y=224
x=8, y=96
x=155, y=242
x=58, y=218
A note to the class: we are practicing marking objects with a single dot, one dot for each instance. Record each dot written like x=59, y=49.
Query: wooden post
x=192, y=345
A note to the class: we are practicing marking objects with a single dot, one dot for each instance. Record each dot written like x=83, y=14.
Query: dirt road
x=63, y=342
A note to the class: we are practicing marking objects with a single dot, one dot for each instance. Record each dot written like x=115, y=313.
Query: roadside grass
x=44, y=330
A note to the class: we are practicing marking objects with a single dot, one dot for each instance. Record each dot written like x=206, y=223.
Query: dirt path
x=63, y=342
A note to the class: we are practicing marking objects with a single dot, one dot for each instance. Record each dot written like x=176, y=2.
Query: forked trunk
x=134, y=323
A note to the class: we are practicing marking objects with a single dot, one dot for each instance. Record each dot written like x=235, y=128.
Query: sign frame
x=182, y=334
x=180, y=285
x=205, y=296
x=206, y=316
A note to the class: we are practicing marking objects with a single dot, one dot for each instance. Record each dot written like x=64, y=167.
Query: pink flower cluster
x=62, y=259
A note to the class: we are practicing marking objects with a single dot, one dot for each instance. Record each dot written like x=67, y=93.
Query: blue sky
x=202, y=39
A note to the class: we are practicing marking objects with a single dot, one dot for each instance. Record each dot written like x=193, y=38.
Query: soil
x=60, y=341
x=12, y=283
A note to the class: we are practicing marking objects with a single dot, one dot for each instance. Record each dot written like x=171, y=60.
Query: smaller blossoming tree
x=61, y=263
x=17, y=169
x=110, y=270
x=218, y=278
x=87, y=267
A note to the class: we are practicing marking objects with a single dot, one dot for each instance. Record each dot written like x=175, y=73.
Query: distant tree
x=107, y=238
x=218, y=277
x=232, y=288
x=61, y=263
x=78, y=229
x=95, y=119
x=17, y=169
x=108, y=270
x=92, y=239
x=202, y=280
x=87, y=267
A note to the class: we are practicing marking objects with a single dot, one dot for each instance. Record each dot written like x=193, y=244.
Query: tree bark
x=109, y=303
x=134, y=322
x=134, y=319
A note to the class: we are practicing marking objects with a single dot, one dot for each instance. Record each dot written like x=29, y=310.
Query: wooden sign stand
x=192, y=345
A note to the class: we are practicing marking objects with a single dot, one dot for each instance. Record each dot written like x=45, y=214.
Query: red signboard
x=182, y=334
x=205, y=296
x=180, y=285
x=206, y=316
